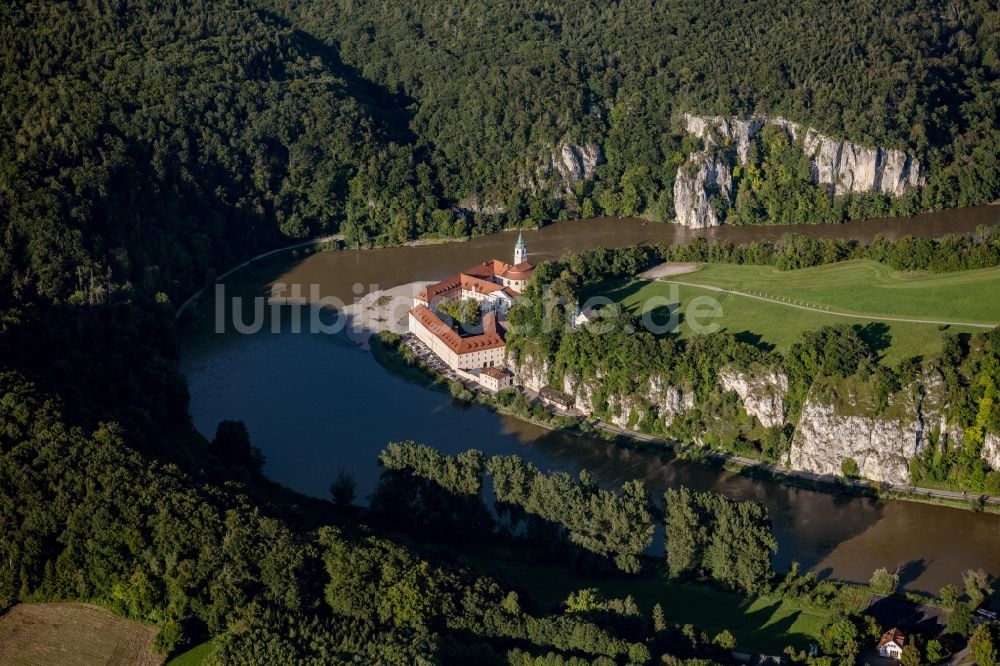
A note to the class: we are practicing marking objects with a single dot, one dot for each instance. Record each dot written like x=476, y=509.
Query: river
x=315, y=404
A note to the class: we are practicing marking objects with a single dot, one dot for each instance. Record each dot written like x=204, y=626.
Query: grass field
x=853, y=287
x=867, y=287
x=761, y=625
x=196, y=656
x=79, y=634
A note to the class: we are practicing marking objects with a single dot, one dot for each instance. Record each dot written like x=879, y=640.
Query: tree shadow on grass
x=876, y=335
x=777, y=632
x=754, y=339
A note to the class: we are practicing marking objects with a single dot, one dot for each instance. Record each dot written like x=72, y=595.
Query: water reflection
x=316, y=405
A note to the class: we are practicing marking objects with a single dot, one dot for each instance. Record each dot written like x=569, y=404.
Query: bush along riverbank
x=393, y=354
x=565, y=543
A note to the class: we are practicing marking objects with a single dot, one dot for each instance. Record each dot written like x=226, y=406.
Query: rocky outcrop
x=991, y=451
x=703, y=179
x=762, y=395
x=577, y=163
x=881, y=448
x=622, y=410
x=582, y=391
x=567, y=164
x=528, y=371
x=717, y=130
x=841, y=165
x=476, y=204
x=671, y=401
x=845, y=167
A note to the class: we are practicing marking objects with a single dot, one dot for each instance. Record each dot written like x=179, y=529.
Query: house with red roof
x=891, y=644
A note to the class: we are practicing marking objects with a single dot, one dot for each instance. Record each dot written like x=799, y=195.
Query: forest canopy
x=147, y=146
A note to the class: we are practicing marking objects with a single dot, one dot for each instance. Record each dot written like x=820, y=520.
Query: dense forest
x=149, y=145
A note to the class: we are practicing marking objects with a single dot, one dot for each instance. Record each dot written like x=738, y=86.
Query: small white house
x=891, y=645
x=495, y=379
x=585, y=316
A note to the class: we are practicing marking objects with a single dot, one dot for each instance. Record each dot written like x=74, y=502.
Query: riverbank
x=391, y=353
x=381, y=310
x=633, y=231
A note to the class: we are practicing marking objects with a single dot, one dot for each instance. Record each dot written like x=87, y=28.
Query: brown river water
x=316, y=404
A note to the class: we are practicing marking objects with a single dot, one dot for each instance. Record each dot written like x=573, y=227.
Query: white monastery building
x=495, y=285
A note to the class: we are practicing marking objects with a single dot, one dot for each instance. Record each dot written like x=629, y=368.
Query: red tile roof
x=521, y=271
x=487, y=269
x=429, y=293
x=894, y=635
x=479, y=278
x=490, y=338
x=478, y=285
x=496, y=373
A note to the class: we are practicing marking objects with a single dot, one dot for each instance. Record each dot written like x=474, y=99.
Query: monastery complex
x=494, y=285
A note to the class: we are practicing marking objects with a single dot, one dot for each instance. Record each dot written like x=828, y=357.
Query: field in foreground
x=852, y=287
x=79, y=634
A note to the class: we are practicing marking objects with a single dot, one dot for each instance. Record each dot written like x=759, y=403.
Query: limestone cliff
x=835, y=423
x=625, y=410
x=763, y=395
x=529, y=371
x=476, y=204
x=882, y=448
x=716, y=130
x=583, y=392
x=567, y=164
x=842, y=165
x=700, y=185
x=991, y=451
x=671, y=401
x=881, y=445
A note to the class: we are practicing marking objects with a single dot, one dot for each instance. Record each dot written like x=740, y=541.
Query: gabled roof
x=478, y=285
x=478, y=278
x=555, y=395
x=490, y=338
x=442, y=288
x=894, y=635
x=496, y=373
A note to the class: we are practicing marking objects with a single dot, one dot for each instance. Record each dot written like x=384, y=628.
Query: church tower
x=520, y=250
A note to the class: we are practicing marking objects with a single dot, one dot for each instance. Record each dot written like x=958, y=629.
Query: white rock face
x=882, y=448
x=476, y=204
x=567, y=164
x=991, y=451
x=622, y=410
x=582, y=392
x=578, y=162
x=711, y=129
x=763, y=396
x=846, y=167
x=528, y=371
x=673, y=402
x=704, y=177
x=843, y=166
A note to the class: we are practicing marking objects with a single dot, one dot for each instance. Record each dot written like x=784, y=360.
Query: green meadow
x=852, y=287
x=764, y=624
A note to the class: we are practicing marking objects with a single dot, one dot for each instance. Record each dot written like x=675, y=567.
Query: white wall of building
x=484, y=358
